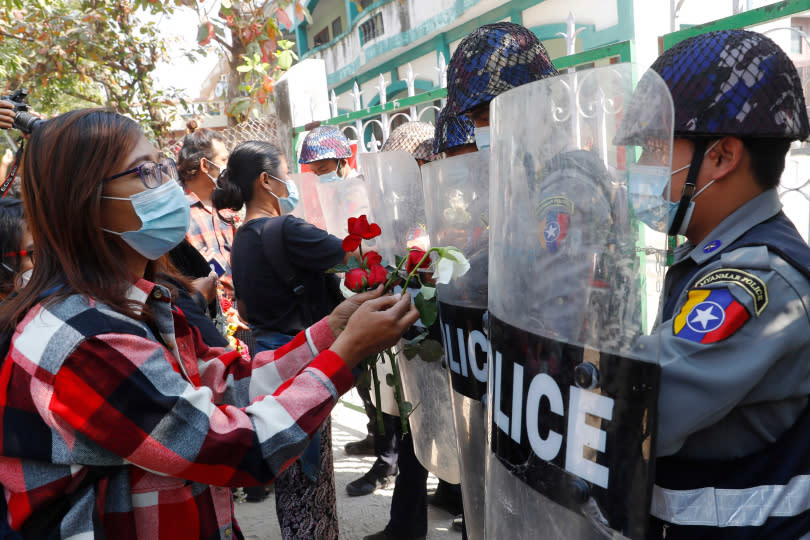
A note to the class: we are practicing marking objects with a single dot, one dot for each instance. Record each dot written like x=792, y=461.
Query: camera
x=23, y=120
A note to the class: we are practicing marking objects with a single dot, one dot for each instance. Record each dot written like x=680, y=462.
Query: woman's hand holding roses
x=368, y=323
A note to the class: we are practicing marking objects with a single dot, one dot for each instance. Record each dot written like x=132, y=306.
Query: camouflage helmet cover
x=411, y=137
x=491, y=60
x=734, y=82
x=452, y=131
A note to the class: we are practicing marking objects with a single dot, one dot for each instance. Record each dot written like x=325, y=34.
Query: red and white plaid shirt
x=212, y=236
x=84, y=386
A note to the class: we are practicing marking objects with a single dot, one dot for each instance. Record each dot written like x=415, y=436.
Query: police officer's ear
x=727, y=156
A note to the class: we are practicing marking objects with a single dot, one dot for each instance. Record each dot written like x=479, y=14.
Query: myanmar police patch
x=554, y=214
x=709, y=316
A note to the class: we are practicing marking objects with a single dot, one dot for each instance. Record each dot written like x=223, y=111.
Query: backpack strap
x=272, y=235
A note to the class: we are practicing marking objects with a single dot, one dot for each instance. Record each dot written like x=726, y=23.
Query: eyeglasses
x=152, y=174
x=21, y=253
x=219, y=167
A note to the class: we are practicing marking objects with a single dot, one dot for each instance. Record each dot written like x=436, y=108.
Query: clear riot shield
x=341, y=200
x=309, y=206
x=395, y=194
x=572, y=276
x=457, y=205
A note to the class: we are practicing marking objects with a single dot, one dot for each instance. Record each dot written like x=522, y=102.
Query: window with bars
x=372, y=28
x=337, y=27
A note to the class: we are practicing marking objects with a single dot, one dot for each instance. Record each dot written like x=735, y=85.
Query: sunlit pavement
x=358, y=516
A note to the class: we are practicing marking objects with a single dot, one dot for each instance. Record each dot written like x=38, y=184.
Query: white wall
x=371, y=88
x=600, y=13
x=423, y=67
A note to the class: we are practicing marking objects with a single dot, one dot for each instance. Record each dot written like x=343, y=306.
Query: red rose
x=359, y=228
x=351, y=243
x=414, y=258
x=225, y=303
x=377, y=275
x=372, y=258
x=356, y=280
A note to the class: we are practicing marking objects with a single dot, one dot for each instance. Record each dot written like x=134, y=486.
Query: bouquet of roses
x=366, y=270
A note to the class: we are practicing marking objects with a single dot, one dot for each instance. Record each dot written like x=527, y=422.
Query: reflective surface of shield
x=574, y=277
x=309, y=205
x=397, y=201
x=457, y=204
x=395, y=194
x=341, y=200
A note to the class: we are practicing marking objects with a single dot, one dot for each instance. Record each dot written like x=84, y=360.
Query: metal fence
x=370, y=126
x=265, y=129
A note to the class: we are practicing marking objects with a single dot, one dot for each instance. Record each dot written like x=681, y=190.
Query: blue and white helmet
x=492, y=59
x=734, y=82
x=452, y=131
x=325, y=142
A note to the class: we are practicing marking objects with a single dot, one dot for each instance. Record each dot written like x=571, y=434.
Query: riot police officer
x=734, y=418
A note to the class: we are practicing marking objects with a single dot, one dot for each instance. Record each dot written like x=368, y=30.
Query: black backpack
x=272, y=235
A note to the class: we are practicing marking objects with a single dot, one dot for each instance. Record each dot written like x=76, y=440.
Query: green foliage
x=83, y=53
x=249, y=33
x=428, y=350
x=428, y=308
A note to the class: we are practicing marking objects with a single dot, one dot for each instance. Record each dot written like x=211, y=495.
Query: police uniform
x=735, y=359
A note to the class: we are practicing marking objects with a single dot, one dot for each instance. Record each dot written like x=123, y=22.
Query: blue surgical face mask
x=286, y=204
x=482, y=137
x=165, y=217
x=219, y=170
x=673, y=210
x=331, y=176
x=646, y=187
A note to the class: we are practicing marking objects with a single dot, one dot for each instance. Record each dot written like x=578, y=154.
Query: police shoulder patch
x=751, y=284
x=709, y=316
x=554, y=214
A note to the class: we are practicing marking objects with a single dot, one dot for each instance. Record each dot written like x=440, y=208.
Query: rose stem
x=371, y=365
x=403, y=414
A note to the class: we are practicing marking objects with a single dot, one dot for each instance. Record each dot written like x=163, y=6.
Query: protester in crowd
x=129, y=420
x=202, y=157
x=734, y=334
x=16, y=246
x=279, y=263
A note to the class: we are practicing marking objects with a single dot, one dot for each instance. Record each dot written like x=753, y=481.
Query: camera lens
x=26, y=122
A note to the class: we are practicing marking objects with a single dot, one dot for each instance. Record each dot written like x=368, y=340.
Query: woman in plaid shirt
x=117, y=420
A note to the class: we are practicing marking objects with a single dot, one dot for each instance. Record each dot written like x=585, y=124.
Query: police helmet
x=734, y=82
x=451, y=131
x=491, y=60
x=324, y=142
